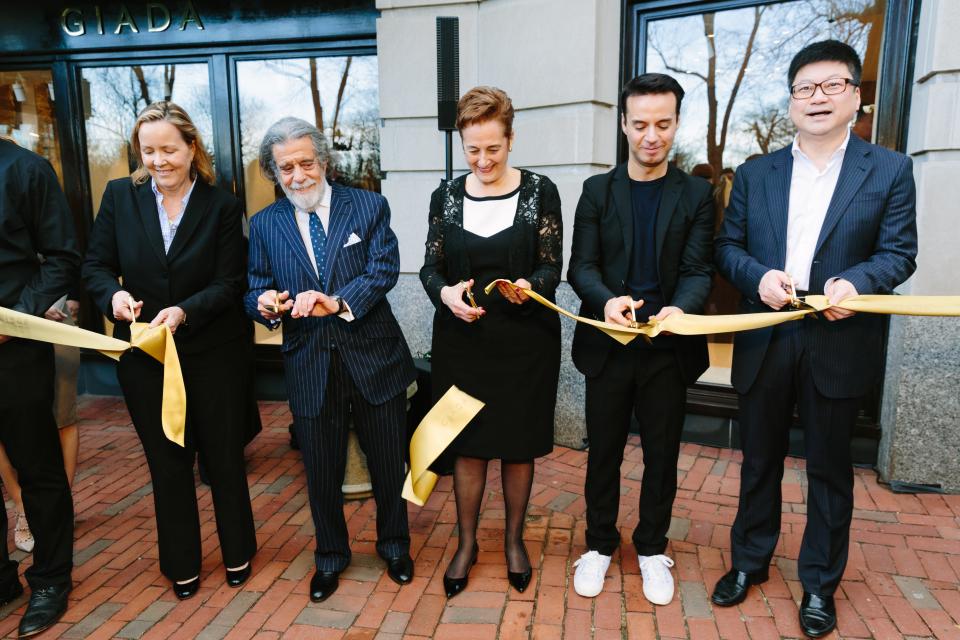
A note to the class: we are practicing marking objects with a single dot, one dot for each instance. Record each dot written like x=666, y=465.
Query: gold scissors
x=469, y=294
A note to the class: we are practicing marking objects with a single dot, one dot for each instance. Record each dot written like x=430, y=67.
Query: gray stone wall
x=920, y=414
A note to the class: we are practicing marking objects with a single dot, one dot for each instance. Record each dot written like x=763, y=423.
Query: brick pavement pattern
x=901, y=582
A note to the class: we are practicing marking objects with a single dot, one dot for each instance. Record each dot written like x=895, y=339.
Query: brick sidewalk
x=902, y=579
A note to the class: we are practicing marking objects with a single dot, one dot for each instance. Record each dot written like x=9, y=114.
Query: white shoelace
x=593, y=565
x=658, y=566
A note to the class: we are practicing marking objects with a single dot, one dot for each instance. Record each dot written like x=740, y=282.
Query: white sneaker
x=657, y=580
x=591, y=570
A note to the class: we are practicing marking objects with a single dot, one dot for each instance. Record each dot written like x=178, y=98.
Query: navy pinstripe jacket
x=372, y=347
x=868, y=237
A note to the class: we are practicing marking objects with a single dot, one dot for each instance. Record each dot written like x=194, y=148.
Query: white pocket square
x=353, y=239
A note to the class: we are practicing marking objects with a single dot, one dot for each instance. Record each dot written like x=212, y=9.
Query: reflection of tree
x=716, y=146
x=770, y=126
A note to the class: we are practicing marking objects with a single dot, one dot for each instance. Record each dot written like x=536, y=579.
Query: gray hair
x=285, y=130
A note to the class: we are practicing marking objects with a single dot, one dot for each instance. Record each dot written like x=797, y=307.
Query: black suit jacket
x=868, y=237
x=203, y=273
x=601, y=254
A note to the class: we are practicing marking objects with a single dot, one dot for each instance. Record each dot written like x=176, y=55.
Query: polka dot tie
x=319, y=240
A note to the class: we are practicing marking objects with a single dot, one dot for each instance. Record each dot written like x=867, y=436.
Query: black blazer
x=204, y=272
x=536, y=243
x=600, y=259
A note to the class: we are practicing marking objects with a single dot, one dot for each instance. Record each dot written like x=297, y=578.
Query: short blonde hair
x=202, y=166
x=482, y=104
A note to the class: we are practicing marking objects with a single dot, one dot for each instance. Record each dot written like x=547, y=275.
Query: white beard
x=302, y=196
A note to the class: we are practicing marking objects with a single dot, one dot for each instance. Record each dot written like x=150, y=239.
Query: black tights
x=469, y=481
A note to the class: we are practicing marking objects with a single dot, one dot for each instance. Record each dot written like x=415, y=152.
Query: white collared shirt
x=303, y=224
x=810, y=193
x=168, y=227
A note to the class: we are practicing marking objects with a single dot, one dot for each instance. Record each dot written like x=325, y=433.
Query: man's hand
x=173, y=317
x=122, y=304
x=54, y=313
x=73, y=308
x=513, y=293
x=272, y=305
x=313, y=303
x=837, y=291
x=452, y=296
x=618, y=310
x=775, y=289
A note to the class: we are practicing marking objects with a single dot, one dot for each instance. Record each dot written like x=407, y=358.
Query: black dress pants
x=29, y=435
x=766, y=413
x=648, y=383
x=218, y=391
x=381, y=430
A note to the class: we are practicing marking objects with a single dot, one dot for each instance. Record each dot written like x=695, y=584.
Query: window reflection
x=27, y=113
x=114, y=96
x=733, y=66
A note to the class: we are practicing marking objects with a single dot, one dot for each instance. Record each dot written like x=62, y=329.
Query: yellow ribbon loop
x=156, y=342
x=442, y=424
x=689, y=324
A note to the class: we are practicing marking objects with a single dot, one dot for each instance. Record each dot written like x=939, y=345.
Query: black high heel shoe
x=520, y=580
x=186, y=589
x=453, y=586
x=236, y=577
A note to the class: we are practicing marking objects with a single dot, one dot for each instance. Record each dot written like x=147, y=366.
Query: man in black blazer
x=39, y=263
x=642, y=242
x=829, y=214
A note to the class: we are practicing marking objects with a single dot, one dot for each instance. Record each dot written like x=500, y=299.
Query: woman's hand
x=125, y=308
x=173, y=317
x=513, y=293
x=452, y=296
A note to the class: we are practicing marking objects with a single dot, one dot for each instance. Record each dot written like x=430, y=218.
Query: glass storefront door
x=26, y=113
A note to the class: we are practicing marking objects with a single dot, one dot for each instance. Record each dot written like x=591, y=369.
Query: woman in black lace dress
x=495, y=222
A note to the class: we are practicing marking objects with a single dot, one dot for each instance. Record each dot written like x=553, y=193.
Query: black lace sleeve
x=433, y=274
x=549, y=259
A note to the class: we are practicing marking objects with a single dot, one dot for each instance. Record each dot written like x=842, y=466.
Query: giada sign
x=152, y=17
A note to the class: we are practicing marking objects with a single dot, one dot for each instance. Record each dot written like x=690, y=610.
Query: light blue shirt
x=168, y=227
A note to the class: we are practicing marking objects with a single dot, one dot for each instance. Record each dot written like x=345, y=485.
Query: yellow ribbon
x=157, y=342
x=689, y=324
x=442, y=424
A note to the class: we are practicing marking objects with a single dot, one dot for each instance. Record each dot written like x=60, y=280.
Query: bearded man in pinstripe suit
x=322, y=260
x=830, y=214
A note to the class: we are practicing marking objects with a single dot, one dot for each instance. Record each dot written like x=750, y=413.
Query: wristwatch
x=341, y=307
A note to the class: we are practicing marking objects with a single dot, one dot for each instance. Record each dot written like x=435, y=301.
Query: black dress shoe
x=453, y=586
x=818, y=616
x=400, y=569
x=47, y=605
x=10, y=592
x=323, y=584
x=236, y=577
x=732, y=588
x=294, y=443
x=186, y=589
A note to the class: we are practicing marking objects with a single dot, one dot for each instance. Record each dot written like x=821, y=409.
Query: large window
x=733, y=64
x=26, y=113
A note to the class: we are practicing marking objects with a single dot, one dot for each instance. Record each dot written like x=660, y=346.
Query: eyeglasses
x=305, y=166
x=831, y=87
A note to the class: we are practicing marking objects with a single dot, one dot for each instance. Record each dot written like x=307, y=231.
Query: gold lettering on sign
x=96, y=10
x=71, y=20
x=190, y=15
x=154, y=9
x=125, y=20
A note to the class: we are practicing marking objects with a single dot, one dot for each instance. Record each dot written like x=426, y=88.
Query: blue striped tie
x=319, y=240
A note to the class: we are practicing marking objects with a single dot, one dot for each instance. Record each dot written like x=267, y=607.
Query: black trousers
x=648, y=383
x=218, y=391
x=381, y=430
x=766, y=413
x=29, y=434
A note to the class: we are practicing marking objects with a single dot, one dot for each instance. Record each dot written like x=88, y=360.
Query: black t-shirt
x=643, y=278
